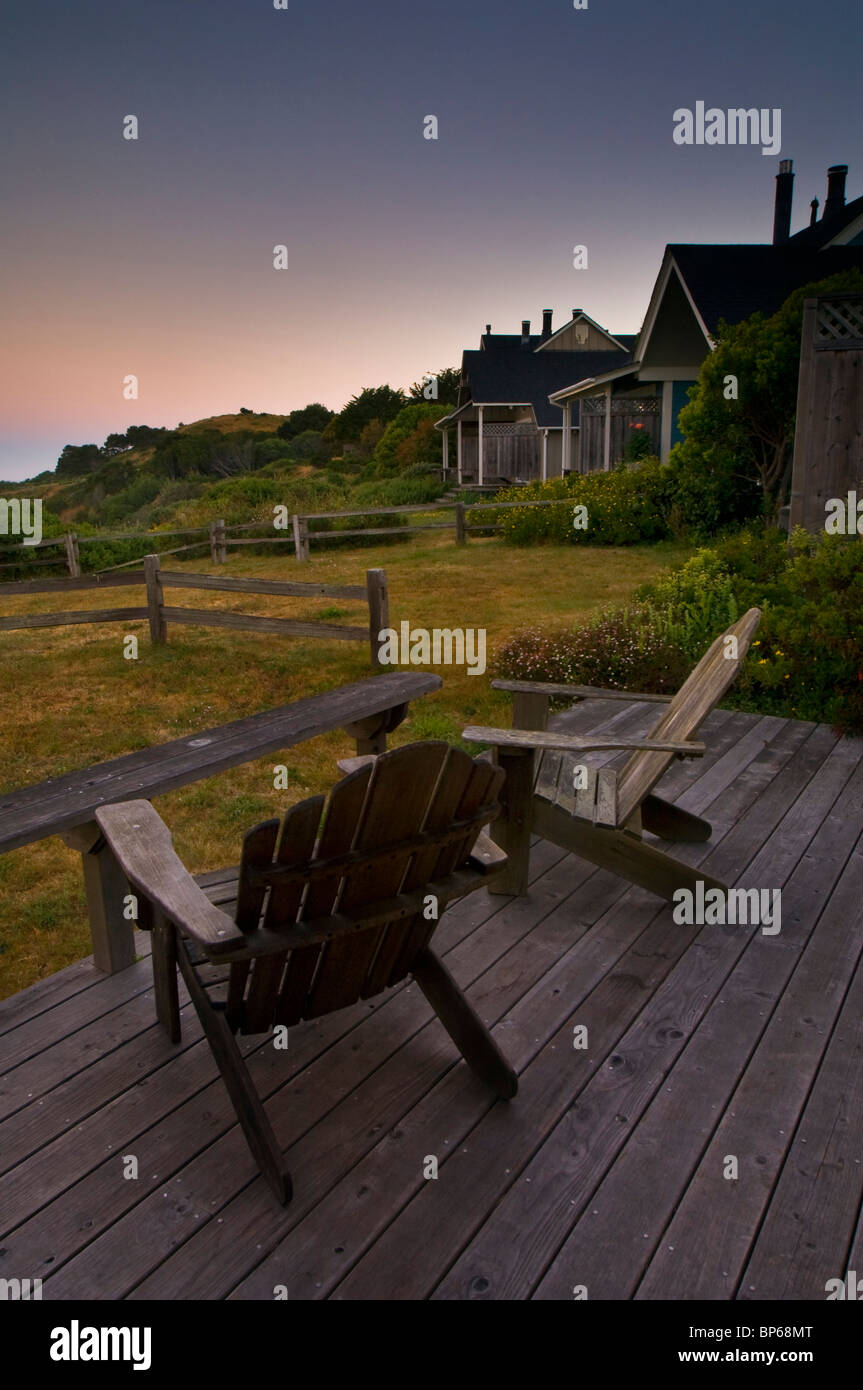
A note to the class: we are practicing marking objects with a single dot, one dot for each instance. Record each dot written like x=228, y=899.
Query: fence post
x=379, y=609
x=301, y=537
x=460, y=533
x=221, y=540
x=214, y=549
x=155, y=602
x=73, y=557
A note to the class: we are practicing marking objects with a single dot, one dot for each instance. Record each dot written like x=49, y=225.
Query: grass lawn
x=70, y=699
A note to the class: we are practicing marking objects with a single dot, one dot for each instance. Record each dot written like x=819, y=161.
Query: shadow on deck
x=608, y=1170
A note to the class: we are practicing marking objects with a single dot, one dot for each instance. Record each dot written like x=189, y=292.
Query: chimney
x=546, y=323
x=488, y=328
x=813, y=212
x=575, y=313
x=836, y=176
x=525, y=332
x=782, y=206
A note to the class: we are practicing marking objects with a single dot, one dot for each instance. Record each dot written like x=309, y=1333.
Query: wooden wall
x=828, y=442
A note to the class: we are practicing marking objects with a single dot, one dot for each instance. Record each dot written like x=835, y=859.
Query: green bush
x=623, y=507
x=806, y=660
x=408, y=439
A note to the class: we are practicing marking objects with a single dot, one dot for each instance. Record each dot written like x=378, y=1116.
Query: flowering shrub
x=623, y=507
x=620, y=649
x=805, y=662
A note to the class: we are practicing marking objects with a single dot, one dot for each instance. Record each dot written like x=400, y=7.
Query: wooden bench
x=367, y=710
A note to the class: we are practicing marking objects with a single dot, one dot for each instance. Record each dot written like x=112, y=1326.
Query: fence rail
x=218, y=534
x=159, y=614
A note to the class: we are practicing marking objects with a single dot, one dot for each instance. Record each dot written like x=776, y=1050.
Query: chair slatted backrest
x=391, y=827
x=700, y=693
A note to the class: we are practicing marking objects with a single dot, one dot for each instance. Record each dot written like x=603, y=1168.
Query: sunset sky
x=304, y=126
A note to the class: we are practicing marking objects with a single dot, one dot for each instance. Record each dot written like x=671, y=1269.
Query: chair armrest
x=584, y=692
x=571, y=743
x=141, y=844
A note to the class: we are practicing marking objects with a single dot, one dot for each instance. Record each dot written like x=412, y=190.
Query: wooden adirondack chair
x=327, y=913
x=603, y=822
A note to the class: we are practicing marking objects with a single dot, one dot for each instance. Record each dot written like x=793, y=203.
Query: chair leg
x=466, y=1029
x=671, y=822
x=244, y=1098
x=619, y=852
x=164, y=941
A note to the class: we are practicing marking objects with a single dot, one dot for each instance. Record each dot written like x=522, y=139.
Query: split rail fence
x=218, y=536
x=159, y=614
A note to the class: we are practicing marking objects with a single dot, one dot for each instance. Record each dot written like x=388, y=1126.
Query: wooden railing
x=159, y=614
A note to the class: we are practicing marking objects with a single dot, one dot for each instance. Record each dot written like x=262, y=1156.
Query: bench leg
x=107, y=888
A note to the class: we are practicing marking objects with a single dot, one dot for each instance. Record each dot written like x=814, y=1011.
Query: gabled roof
x=578, y=318
x=514, y=375
x=732, y=282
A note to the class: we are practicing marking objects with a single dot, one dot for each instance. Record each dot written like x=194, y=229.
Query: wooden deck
x=606, y=1171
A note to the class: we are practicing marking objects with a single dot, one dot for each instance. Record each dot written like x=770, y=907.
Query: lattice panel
x=839, y=323
x=622, y=405
x=506, y=427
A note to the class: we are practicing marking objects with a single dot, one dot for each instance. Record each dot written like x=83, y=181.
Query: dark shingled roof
x=732, y=282
x=828, y=226
x=507, y=372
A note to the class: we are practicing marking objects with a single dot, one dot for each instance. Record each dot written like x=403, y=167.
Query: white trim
x=445, y=450
x=458, y=449
x=480, y=477
x=667, y=419
x=566, y=442
x=585, y=387
x=669, y=264
x=606, y=450
x=544, y=455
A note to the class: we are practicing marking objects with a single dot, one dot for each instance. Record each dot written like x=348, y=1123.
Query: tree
x=447, y=380
x=310, y=417
x=381, y=403
x=78, y=459
x=115, y=444
x=735, y=458
x=144, y=436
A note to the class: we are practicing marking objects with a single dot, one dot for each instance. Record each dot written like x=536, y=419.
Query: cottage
x=505, y=425
x=698, y=285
